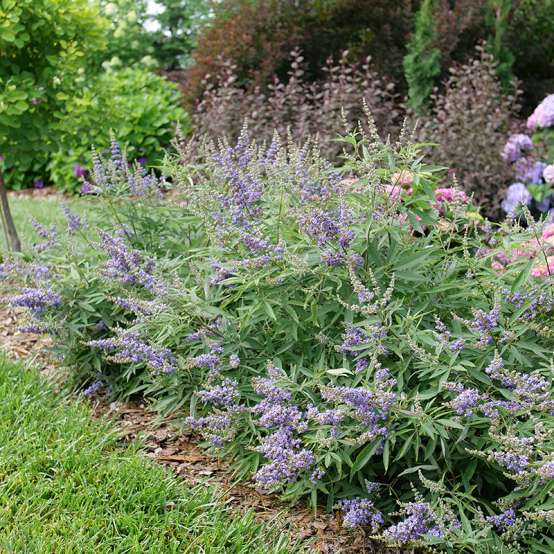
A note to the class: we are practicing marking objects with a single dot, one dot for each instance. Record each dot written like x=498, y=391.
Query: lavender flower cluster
x=127, y=265
x=117, y=176
x=50, y=236
x=361, y=511
x=283, y=448
x=331, y=230
x=369, y=406
x=419, y=520
x=361, y=343
x=37, y=300
x=130, y=347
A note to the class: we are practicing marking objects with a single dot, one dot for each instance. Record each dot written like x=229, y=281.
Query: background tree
x=501, y=13
x=44, y=49
x=422, y=62
x=179, y=22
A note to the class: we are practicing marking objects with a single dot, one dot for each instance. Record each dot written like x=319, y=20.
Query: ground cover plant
x=357, y=336
x=66, y=485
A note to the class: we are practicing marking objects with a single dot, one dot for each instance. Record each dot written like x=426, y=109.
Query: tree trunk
x=12, y=240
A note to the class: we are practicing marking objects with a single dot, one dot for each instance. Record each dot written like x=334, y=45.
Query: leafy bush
x=44, y=47
x=257, y=38
x=361, y=336
x=469, y=121
x=128, y=41
x=318, y=109
x=143, y=107
x=164, y=39
x=53, y=91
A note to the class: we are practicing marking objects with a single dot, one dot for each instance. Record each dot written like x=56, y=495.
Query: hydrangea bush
x=357, y=336
x=532, y=159
x=143, y=107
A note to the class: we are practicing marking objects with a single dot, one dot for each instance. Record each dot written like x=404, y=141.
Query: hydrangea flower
x=543, y=116
x=548, y=174
x=517, y=195
x=529, y=171
x=516, y=145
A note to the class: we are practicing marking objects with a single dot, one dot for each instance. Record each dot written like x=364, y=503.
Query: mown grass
x=67, y=486
x=48, y=211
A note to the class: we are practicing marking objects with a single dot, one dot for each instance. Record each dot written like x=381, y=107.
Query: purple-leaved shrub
x=469, y=121
x=305, y=109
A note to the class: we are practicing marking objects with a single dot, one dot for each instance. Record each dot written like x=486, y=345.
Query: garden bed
x=162, y=441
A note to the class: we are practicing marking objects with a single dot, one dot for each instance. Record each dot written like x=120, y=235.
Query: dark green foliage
x=501, y=12
x=422, y=62
x=179, y=23
x=258, y=36
x=531, y=39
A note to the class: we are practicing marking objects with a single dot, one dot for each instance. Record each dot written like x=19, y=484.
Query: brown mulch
x=165, y=443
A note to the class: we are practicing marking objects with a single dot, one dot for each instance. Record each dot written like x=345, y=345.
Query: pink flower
x=522, y=253
x=544, y=270
x=395, y=192
x=532, y=122
x=543, y=116
x=548, y=231
x=403, y=178
x=451, y=194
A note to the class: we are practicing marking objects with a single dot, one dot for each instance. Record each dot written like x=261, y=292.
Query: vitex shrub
x=358, y=336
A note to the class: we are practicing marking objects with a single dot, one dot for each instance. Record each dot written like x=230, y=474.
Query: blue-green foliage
x=358, y=335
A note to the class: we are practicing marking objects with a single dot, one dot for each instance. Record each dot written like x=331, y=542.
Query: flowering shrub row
x=343, y=335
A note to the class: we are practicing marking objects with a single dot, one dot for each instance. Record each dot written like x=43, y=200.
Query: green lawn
x=67, y=486
x=47, y=211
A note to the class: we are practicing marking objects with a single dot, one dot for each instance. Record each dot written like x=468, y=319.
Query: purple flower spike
x=359, y=511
